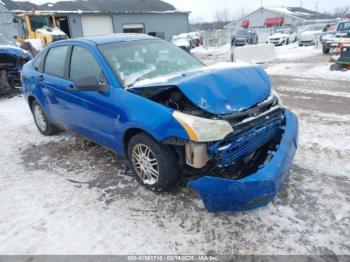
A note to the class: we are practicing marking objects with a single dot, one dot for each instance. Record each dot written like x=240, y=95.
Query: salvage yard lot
x=62, y=195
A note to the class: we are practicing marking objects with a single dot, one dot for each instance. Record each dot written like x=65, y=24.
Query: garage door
x=97, y=25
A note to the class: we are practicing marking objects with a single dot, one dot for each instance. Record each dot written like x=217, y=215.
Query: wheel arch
x=31, y=99
x=131, y=132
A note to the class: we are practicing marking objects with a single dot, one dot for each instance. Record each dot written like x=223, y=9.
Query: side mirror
x=90, y=84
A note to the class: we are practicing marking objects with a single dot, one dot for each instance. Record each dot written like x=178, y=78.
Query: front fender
x=141, y=113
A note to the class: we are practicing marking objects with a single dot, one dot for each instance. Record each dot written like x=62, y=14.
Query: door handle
x=40, y=78
x=70, y=88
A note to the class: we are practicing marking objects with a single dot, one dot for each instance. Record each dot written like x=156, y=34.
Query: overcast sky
x=205, y=9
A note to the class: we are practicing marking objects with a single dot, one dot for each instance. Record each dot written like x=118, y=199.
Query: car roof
x=114, y=38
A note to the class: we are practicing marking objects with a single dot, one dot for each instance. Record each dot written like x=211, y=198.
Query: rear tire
x=154, y=164
x=41, y=121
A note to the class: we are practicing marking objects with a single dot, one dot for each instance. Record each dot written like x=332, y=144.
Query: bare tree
x=342, y=12
x=223, y=15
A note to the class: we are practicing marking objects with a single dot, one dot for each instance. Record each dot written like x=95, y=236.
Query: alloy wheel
x=40, y=118
x=145, y=164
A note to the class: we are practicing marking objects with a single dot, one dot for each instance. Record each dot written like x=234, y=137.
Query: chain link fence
x=224, y=36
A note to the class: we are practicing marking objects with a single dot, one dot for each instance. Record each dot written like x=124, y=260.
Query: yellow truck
x=37, y=30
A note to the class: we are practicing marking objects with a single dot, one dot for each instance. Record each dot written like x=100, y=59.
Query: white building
x=267, y=17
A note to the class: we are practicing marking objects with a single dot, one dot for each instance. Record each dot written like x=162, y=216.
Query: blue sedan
x=220, y=130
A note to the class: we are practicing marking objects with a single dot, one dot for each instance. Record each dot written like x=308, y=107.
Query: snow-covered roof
x=90, y=6
x=299, y=12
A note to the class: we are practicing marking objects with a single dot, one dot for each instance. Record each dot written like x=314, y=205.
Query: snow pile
x=212, y=50
x=308, y=70
x=215, y=54
x=293, y=52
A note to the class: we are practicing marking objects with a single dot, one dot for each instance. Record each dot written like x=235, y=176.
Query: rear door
x=54, y=82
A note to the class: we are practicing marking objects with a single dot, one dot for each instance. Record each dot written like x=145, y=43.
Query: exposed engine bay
x=257, y=133
x=8, y=62
x=173, y=98
x=10, y=66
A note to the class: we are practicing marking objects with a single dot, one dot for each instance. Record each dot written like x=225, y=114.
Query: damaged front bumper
x=258, y=189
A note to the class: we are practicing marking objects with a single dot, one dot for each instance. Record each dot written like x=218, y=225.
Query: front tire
x=154, y=164
x=41, y=121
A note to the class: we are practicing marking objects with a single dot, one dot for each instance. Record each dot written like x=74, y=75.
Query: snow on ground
x=212, y=50
x=319, y=70
x=293, y=51
x=61, y=195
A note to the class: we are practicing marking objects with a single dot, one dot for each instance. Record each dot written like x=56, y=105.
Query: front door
x=91, y=113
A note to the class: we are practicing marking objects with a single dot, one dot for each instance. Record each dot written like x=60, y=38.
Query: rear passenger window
x=83, y=64
x=39, y=62
x=55, y=61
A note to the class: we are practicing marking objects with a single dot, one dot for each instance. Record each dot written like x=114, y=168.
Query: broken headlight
x=275, y=94
x=202, y=129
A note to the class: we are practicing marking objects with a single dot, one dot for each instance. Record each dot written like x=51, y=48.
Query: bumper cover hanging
x=258, y=189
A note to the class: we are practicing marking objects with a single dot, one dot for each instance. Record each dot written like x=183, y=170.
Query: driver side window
x=83, y=65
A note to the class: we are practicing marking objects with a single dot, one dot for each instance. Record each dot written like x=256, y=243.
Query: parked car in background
x=310, y=34
x=244, y=37
x=12, y=58
x=333, y=40
x=328, y=38
x=343, y=29
x=182, y=41
x=195, y=39
x=222, y=130
x=283, y=36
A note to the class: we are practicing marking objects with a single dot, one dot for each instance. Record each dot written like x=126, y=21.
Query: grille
x=248, y=138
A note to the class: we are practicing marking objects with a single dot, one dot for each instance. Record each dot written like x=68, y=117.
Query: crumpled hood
x=227, y=90
x=12, y=50
x=221, y=90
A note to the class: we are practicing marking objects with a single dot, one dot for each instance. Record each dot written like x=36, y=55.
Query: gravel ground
x=63, y=195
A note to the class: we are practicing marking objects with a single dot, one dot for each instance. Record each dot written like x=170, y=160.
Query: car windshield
x=284, y=30
x=244, y=32
x=344, y=26
x=4, y=40
x=314, y=27
x=147, y=60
